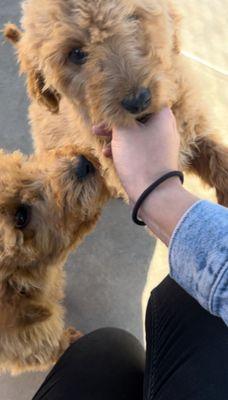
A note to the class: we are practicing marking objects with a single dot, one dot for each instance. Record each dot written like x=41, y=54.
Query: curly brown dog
x=47, y=205
x=113, y=61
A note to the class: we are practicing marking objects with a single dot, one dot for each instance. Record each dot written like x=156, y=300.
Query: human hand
x=143, y=152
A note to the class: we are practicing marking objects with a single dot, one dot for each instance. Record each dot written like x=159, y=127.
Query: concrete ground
x=107, y=275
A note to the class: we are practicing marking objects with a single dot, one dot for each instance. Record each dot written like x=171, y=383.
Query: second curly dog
x=47, y=205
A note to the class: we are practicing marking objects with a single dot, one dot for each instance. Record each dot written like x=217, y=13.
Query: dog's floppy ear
x=12, y=33
x=37, y=87
x=47, y=96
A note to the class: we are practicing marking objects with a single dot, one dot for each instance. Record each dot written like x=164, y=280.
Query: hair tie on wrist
x=149, y=190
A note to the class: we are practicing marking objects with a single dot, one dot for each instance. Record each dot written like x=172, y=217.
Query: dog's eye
x=133, y=17
x=22, y=216
x=78, y=56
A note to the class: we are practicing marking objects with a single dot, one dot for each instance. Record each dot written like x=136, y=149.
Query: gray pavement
x=106, y=276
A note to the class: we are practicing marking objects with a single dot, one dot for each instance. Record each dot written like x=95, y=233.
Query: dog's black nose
x=138, y=103
x=84, y=168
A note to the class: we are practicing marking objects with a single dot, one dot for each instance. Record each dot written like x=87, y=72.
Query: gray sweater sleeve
x=198, y=256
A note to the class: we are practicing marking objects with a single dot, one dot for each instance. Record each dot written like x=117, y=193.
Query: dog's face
x=111, y=58
x=47, y=205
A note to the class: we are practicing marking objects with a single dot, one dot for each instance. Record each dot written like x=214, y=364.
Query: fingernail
x=101, y=130
x=107, y=151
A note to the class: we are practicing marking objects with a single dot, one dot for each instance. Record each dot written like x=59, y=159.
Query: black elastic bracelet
x=149, y=190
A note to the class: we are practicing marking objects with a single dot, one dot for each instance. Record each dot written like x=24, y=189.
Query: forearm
x=198, y=255
x=197, y=234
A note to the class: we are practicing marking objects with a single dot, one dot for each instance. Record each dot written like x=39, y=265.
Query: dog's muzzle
x=138, y=103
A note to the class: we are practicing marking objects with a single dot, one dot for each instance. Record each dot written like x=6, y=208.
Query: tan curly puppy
x=47, y=205
x=113, y=61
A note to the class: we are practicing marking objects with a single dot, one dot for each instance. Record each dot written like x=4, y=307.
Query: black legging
x=186, y=359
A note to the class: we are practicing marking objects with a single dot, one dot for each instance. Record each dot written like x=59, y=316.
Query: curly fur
x=130, y=44
x=63, y=211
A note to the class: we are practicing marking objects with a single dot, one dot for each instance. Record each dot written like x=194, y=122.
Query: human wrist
x=139, y=185
x=163, y=208
x=159, y=197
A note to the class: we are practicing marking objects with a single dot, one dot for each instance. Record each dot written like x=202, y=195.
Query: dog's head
x=47, y=204
x=112, y=58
